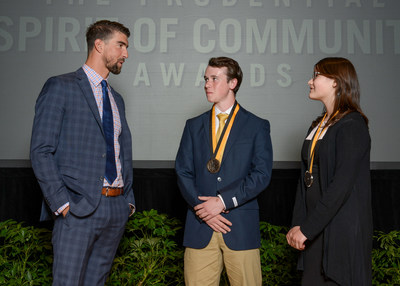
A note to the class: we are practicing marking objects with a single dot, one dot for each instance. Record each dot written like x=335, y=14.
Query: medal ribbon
x=219, y=147
x=316, y=137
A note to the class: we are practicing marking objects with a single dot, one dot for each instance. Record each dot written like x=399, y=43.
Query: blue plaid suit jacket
x=68, y=146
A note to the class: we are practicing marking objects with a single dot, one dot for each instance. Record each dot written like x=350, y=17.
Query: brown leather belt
x=112, y=192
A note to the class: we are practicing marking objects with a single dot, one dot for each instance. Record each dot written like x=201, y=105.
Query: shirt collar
x=217, y=111
x=93, y=76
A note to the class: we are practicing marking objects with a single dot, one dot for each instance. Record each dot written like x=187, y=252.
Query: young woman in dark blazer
x=332, y=216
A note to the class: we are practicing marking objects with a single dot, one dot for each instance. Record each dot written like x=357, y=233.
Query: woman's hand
x=296, y=238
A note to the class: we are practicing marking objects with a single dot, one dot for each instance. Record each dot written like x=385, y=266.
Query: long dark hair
x=347, y=100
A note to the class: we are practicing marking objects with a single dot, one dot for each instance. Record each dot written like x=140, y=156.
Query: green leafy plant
x=148, y=253
x=278, y=259
x=25, y=254
x=386, y=258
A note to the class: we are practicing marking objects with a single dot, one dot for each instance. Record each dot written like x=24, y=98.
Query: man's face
x=217, y=87
x=116, y=51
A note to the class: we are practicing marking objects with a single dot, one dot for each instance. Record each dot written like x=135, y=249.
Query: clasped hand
x=210, y=213
x=296, y=238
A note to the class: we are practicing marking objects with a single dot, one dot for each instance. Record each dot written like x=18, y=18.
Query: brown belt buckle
x=107, y=191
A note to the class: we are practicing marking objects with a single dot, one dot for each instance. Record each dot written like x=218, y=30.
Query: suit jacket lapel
x=238, y=125
x=87, y=91
x=206, y=127
x=118, y=102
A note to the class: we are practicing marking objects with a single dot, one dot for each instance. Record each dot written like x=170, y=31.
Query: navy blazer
x=245, y=172
x=68, y=147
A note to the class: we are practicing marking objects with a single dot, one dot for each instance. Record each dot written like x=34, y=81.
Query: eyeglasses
x=315, y=74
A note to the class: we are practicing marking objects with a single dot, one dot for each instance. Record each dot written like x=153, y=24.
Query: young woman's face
x=322, y=88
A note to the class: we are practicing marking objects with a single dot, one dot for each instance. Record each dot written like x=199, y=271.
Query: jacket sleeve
x=352, y=143
x=259, y=175
x=49, y=112
x=298, y=209
x=185, y=168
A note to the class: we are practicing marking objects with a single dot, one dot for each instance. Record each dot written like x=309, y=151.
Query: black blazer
x=344, y=211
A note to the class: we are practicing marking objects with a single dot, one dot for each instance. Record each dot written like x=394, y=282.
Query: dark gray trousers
x=84, y=248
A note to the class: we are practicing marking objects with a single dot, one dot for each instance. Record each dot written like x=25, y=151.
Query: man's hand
x=65, y=211
x=211, y=207
x=296, y=238
x=219, y=224
x=132, y=208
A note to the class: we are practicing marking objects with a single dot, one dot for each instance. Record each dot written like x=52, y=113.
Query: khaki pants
x=203, y=267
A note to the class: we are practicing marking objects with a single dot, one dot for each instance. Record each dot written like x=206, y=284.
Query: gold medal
x=213, y=165
x=308, y=179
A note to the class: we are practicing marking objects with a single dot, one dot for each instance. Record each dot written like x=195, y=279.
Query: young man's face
x=218, y=89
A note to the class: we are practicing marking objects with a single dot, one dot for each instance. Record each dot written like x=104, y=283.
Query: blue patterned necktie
x=108, y=126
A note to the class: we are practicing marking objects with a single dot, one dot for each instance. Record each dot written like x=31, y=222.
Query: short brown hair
x=103, y=29
x=233, y=69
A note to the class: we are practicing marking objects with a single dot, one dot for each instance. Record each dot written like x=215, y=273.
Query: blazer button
x=104, y=155
x=101, y=179
x=219, y=179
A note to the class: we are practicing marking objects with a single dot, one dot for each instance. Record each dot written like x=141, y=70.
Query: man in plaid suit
x=70, y=153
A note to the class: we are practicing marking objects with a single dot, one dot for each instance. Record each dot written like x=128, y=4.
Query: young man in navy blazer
x=220, y=179
x=83, y=164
